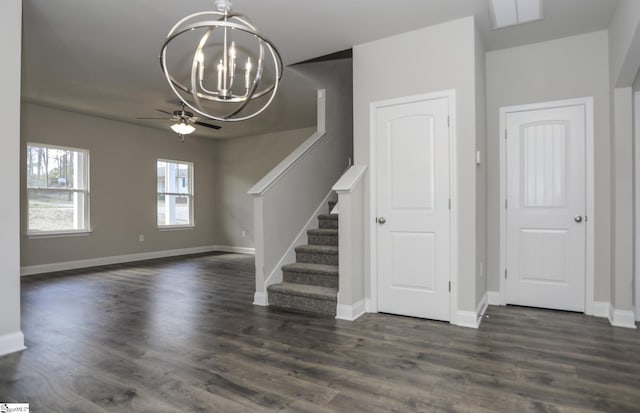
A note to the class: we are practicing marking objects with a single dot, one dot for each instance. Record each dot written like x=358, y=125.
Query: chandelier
x=221, y=67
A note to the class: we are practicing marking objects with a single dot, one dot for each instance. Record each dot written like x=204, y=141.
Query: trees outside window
x=57, y=190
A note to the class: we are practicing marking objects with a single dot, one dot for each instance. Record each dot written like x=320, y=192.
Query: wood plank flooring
x=181, y=335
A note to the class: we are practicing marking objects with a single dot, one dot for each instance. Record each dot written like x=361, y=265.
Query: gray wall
x=239, y=164
x=10, y=31
x=123, y=186
x=440, y=57
x=561, y=69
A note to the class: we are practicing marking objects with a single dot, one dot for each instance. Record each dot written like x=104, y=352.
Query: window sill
x=61, y=234
x=176, y=228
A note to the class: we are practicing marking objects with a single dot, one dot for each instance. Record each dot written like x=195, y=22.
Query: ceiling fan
x=184, y=121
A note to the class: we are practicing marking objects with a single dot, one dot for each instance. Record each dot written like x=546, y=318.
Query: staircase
x=310, y=284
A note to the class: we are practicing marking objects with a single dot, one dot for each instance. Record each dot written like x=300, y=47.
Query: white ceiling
x=101, y=57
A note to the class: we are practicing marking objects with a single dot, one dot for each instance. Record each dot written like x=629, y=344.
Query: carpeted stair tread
x=303, y=290
x=311, y=268
x=318, y=249
x=322, y=231
x=328, y=216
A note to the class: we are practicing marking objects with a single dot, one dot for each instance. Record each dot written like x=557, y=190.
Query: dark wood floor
x=181, y=335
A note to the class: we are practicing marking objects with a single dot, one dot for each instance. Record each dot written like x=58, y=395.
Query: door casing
x=587, y=103
x=371, y=304
x=636, y=132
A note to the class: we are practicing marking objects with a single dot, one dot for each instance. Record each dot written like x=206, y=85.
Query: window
x=175, y=194
x=57, y=190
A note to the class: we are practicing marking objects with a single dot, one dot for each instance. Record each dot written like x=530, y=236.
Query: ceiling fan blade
x=154, y=118
x=207, y=125
x=165, y=112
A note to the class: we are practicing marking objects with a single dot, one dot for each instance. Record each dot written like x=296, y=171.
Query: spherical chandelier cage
x=239, y=91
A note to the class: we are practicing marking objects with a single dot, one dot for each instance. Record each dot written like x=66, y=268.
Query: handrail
x=287, y=163
x=350, y=179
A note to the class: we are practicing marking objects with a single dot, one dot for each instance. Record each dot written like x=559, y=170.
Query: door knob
x=577, y=218
x=381, y=220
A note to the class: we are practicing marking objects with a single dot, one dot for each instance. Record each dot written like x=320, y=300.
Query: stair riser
x=328, y=223
x=316, y=258
x=305, y=304
x=321, y=280
x=323, y=239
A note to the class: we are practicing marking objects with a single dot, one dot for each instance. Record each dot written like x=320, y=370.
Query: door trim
x=372, y=302
x=587, y=102
x=636, y=132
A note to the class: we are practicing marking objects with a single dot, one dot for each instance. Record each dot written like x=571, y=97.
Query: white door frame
x=636, y=165
x=587, y=102
x=372, y=303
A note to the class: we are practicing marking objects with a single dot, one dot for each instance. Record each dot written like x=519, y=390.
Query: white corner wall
x=622, y=202
x=566, y=68
x=481, y=175
x=11, y=338
x=440, y=57
x=624, y=47
x=636, y=161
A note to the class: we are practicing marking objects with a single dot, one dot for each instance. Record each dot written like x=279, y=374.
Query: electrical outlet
x=141, y=237
x=244, y=233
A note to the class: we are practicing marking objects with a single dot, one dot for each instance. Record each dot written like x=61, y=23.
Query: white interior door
x=413, y=230
x=546, y=207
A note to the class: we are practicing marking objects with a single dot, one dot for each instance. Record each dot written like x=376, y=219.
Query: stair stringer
x=290, y=255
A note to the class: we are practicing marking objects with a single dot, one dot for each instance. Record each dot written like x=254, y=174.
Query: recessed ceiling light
x=507, y=13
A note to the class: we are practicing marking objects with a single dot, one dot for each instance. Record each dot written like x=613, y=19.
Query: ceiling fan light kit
x=230, y=72
x=183, y=128
x=184, y=121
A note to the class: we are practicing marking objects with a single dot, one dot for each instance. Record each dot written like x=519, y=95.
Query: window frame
x=190, y=195
x=86, y=172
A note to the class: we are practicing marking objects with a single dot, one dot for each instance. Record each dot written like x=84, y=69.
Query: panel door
x=546, y=204
x=413, y=209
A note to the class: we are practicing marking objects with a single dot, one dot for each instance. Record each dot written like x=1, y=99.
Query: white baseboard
x=238, y=250
x=494, y=298
x=260, y=299
x=623, y=318
x=482, y=306
x=467, y=319
x=601, y=309
x=472, y=319
x=617, y=318
x=119, y=259
x=368, y=306
x=11, y=343
x=350, y=312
